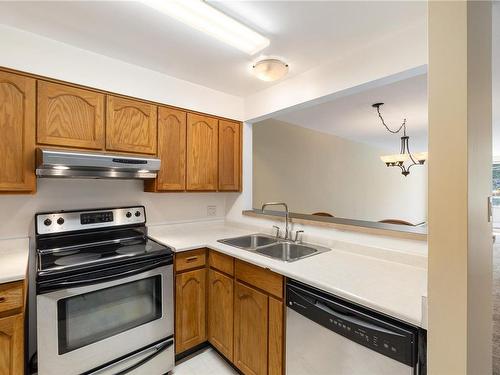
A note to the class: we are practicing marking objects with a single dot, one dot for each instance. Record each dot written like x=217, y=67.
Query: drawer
x=11, y=296
x=221, y=262
x=190, y=259
x=259, y=277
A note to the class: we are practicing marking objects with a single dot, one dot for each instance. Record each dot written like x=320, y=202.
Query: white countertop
x=377, y=281
x=13, y=259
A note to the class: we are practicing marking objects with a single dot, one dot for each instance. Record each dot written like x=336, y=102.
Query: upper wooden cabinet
x=17, y=129
x=130, y=126
x=202, y=136
x=229, y=156
x=70, y=117
x=171, y=149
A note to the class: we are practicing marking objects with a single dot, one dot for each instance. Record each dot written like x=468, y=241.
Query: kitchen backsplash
x=55, y=194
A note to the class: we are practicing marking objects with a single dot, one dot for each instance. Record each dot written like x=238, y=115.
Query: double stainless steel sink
x=273, y=247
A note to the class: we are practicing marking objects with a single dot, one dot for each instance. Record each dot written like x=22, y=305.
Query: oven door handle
x=57, y=284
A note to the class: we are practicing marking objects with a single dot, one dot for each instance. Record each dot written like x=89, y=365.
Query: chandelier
x=405, y=159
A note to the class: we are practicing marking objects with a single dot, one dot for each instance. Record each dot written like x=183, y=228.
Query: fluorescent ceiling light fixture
x=203, y=17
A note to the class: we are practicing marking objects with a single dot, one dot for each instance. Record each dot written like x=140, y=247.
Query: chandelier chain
x=403, y=125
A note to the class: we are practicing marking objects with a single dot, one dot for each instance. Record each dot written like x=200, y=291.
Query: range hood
x=80, y=164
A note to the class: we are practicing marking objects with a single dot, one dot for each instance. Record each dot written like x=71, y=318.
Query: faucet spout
x=287, y=215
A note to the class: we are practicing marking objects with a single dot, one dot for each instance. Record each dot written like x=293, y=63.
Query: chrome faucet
x=287, y=216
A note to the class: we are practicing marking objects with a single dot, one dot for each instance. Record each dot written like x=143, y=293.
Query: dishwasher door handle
x=354, y=320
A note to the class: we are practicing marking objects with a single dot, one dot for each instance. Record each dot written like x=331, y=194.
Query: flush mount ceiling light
x=270, y=69
x=405, y=159
x=201, y=16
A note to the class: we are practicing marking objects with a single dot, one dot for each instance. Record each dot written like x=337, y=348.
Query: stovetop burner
x=74, y=242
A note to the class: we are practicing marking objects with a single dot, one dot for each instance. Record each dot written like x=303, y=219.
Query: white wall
x=59, y=194
x=314, y=171
x=35, y=54
x=399, y=52
x=39, y=55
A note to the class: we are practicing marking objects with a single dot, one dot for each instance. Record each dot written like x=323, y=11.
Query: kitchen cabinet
x=17, y=129
x=171, y=151
x=202, y=145
x=12, y=345
x=130, y=126
x=12, y=328
x=70, y=116
x=229, y=156
x=220, y=312
x=190, y=300
x=244, y=310
x=250, y=330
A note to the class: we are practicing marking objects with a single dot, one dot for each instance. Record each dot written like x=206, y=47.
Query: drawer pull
x=3, y=299
x=191, y=259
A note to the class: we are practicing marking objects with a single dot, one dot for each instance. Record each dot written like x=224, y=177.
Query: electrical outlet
x=211, y=210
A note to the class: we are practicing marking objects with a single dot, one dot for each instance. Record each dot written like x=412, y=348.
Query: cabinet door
x=220, y=312
x=250, y=330
x=201, y=152
x=190, y=309
x=275, y=337
x=12, y=345
x=171, y=149
x=130, y=126
x=68, y=116
x=229, y=156
x=17, y=129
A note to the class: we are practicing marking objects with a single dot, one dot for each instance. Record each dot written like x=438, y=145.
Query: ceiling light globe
x=270, y=69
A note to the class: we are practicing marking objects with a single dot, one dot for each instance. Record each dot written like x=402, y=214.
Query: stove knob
x=137, y=213
x=128, y=214
x=47, y=222
x=60, y=221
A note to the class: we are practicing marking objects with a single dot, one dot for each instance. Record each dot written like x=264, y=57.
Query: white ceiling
x=352, y=117
x=306, y=34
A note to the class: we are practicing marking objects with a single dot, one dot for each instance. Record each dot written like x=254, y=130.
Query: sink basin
x=250, y=242
x=289, y=252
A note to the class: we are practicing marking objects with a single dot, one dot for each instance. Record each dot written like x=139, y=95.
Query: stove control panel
x=69, y=221
x=96, y=217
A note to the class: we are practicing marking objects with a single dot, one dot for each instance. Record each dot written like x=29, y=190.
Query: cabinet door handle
x=191, y=259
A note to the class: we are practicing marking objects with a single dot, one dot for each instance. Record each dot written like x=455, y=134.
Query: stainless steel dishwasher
x=326, y=335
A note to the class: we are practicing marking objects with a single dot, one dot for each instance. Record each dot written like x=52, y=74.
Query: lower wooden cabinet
x=12, y=345
x=220, y=312
x=243, y=310
x=250, y=330
x=190, y=309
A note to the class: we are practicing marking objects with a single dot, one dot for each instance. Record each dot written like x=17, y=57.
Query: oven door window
x=87, y=318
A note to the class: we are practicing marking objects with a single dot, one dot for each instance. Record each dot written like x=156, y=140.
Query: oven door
x=86, y=325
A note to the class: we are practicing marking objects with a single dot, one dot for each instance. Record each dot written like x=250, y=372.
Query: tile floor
x=206, y=362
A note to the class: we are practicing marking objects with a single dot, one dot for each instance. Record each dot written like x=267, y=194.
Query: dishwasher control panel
x=371, y=330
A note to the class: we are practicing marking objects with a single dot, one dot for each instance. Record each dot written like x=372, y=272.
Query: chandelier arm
x=410, y=154
x=403, y=125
